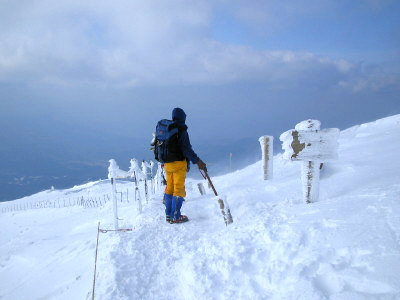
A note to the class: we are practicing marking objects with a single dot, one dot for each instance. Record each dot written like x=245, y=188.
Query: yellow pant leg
x=170, y=181
x=179, y=180
x=177, y=170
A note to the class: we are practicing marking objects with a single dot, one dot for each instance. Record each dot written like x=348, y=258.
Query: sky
x=85, y=81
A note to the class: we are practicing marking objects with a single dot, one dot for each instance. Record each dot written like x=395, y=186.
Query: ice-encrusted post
x=112, y=170
x=310, y=180
x=151, y=177
x=138, y=199
x=115, y=172
x=201, y=188
x=136, y=174
x=310, y=145
x=225, y=210
x=267, y=143
x=145, y=168
x=158, y=177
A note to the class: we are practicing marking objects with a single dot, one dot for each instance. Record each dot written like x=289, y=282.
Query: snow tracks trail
x=279, y=251
x=201, y=259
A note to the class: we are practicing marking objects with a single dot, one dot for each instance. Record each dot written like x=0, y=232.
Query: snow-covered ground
x=346, y=246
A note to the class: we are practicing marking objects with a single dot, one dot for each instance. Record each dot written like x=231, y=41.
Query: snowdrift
x=346, y=246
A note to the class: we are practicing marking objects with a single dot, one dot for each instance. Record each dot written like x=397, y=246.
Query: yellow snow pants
x=176, y=175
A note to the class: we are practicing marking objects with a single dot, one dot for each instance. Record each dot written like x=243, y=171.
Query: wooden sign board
x=316, y=145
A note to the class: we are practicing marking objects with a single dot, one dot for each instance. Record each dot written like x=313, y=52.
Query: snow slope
x=346, y=246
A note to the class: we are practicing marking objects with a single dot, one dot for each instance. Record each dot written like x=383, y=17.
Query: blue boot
x=168, y=207
x=173, y=208
x=176, y=209
x=179, y=202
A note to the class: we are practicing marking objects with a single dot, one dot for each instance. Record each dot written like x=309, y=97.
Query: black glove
x=202, y=165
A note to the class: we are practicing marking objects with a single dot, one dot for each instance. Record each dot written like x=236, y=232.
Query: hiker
x=179, y=157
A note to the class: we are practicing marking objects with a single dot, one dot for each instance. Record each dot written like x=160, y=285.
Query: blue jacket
x=179, y=116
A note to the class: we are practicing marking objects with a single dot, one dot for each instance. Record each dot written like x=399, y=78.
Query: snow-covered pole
x=267, y=151
x=135, y=171
x=310, y=145
x=223, y=204
x=145, y=166
x=145, y=169
x=310, y=180
x=112, y=176
x=151, y=176
x=158, y=177
x=202, y=190
x=156, y=187
x=137, y=196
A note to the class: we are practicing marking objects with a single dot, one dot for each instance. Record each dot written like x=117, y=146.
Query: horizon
x=219, y=168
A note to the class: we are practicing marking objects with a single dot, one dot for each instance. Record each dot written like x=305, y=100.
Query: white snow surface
x=346, y=246
x=308, y=125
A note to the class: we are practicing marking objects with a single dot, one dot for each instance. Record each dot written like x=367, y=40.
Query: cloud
x=267, y=16
x=145, y=43
x=96, y=40
x=370, y=78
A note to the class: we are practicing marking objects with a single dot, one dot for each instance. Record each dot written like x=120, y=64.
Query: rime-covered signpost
x=310, y=145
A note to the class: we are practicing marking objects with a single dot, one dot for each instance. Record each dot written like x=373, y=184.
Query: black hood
x=179, y=115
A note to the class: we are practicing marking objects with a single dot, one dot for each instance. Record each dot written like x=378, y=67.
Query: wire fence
x=62, y=202
x=128, y=192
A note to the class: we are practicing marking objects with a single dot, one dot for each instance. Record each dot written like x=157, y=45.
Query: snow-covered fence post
x=158, y=178
x=267, y=150
x=138, y=199
x=310, y=145
x=115, y=172
x=145, y=170
x=112, y=176
x=136, y=174
x=156, y=186
x=151, y=177
x=202, y=190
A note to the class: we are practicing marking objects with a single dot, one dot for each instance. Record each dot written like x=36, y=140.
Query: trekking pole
x=223, y=205
x=210, y=182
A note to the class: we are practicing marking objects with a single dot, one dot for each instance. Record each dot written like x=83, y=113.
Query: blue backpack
x=166, y=142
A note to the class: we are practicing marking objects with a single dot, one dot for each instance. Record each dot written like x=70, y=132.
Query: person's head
x=178, y=115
